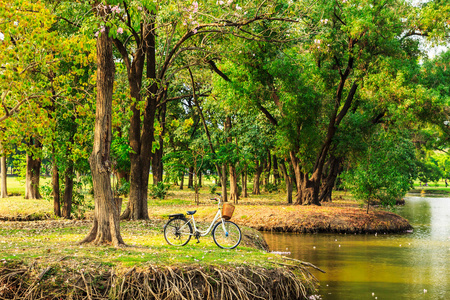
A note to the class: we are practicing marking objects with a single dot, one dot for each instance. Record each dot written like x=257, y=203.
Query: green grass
x=57, y=240
x=16, y=185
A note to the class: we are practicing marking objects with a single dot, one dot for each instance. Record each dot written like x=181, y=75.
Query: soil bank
x=319, y=219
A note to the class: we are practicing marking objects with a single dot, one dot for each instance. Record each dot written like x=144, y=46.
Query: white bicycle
x=226, y=234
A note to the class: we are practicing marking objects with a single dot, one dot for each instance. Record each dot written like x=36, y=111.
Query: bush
x=123, y=188
x=213, y=188
x=159, y=190
x=271, y=187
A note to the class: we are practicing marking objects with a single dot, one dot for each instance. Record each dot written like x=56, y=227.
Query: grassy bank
x=43, y=260
x=40, y=258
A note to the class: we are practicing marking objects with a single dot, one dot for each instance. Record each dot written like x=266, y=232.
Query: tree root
x=157, y=282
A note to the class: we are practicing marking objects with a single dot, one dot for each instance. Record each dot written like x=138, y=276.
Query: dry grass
x=268, y=212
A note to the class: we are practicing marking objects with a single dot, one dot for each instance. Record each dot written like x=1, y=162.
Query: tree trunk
x=244, y=183
x=141, y=139
x=182, y=181
x=123, y=177
x=234, y=191
x=276, y=173
x=106, y=227
x=4, y=188
x=32, y=178
x=191, y=177
x=266, y=178
x=157, y=164
x=298, y=177
x=329, y=181
x=288, y=179
x=68, y=192
x=55, y=188
x=257, y=177
x=223, y=180
x=200, y=177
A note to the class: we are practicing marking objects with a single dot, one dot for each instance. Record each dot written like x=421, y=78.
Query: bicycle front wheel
x=178, y=232
x=226, y=235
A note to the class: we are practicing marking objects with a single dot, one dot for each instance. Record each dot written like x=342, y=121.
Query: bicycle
x=226, y=234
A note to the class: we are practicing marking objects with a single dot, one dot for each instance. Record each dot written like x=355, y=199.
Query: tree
x=106, y=227
x=385, y=170
x=186, y=39
x=307, y=88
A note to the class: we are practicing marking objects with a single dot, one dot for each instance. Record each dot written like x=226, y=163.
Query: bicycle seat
x=191, y=212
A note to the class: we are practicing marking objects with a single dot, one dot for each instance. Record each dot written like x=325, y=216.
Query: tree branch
x=215, y=69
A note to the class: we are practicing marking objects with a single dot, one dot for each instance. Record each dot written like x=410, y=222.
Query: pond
x=381, y=266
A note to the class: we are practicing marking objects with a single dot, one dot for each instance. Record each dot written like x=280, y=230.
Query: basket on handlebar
x=227, y=211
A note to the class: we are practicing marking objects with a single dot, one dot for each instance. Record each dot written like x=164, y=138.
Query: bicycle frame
x=207, y=231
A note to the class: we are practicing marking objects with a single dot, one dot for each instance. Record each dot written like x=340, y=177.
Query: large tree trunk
x=68, y=192
x=55, y=188
x=106, y=227
x=141, y=140
x=32, y=178
x=329, y=181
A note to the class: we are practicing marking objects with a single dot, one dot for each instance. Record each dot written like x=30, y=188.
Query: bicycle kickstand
x=197, y=236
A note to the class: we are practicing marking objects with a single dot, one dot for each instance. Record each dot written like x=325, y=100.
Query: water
x=383, y=266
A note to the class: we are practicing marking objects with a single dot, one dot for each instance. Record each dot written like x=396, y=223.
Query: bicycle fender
x=177, y=216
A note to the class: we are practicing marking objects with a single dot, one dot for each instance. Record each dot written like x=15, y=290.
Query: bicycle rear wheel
x=226, y=235
x=178, y=232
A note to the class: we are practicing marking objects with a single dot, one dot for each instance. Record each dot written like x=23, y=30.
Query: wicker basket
x=227, y=211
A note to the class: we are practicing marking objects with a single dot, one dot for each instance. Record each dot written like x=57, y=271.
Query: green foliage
x=213, y=189
x=271, y=187
x=123, y=188
x=80, y=203
x=159, y=190
x=385, y=170
x=428, y=172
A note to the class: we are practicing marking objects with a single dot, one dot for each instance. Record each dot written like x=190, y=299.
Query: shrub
x=271, y=187
x=159, y=190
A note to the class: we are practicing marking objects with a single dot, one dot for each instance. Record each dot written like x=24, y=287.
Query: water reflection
x=402, y=266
